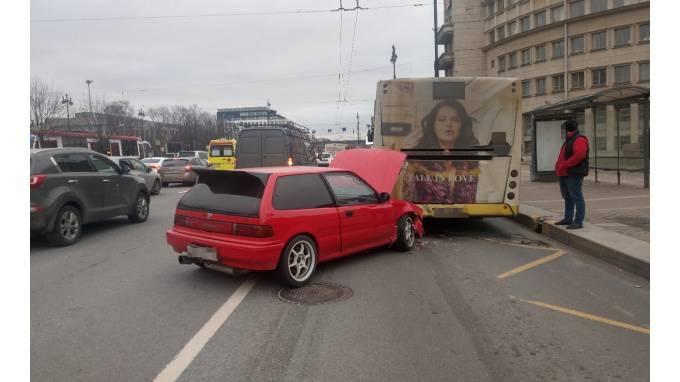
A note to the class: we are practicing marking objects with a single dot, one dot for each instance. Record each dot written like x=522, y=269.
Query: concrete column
x=589, y=128
x=611, y=130
x=635, y=127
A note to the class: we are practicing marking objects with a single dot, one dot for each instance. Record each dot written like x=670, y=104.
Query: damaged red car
x=290, y=219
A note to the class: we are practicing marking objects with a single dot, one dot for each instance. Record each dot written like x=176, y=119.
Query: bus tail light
x=290, y=161
x=512, y=184
x=37, y=180
x=511, y=195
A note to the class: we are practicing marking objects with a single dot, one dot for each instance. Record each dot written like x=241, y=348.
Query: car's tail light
x=290, y=161
x=187, y=168
x=37, y=180
x=253, y=230
x=35, y=208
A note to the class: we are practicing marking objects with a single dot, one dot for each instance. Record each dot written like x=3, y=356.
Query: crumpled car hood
x=379, y=167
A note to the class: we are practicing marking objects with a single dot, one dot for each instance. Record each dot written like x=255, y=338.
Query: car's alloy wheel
x=67, y=227
x=140, y=209
x=156, y=189
x=298, y=261
x=406, y=233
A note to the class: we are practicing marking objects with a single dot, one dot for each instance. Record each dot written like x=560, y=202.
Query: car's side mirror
x=384, y=197
x=124, y=169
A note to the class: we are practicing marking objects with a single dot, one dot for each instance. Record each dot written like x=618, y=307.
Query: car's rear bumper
x=236, y=253
x=39, y=221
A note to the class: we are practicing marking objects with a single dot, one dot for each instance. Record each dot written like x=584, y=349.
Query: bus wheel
x=406, y=233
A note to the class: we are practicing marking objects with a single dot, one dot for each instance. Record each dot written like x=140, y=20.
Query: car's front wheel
x=298, y=261
x=406, y=233
x=67, y=227
x=140, y=210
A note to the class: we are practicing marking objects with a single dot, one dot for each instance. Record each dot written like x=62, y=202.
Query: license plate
x=204, y=253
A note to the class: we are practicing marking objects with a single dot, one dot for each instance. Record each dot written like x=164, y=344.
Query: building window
x=644, y=32
x=501, y=64
x=577, y=8
x=525, y=24
x=558, y=49
x=558, y=83
x=493, y=62
x=624, y=126
x=578, y=80
x=500, y=5
x=511, y=3
x=539, y=19
x=501, y=33
x=540, y=53
x=622, y=74
x=622, y=36
x=577, y=45
x=526, y=57
x=540, y=86
x=491, y=8
x=621, y=3
x=526, y=88
x=643, y=71
x=599, y=76
x=557, y=14
x=512, y=26
x=492, y=37
x=598, y=5
x=599, y=40
x=512, y=58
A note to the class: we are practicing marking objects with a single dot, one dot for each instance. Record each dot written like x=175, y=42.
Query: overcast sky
x=232, y=61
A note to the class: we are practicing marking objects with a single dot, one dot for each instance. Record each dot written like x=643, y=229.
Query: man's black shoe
x=575, y=226
x=563, y=222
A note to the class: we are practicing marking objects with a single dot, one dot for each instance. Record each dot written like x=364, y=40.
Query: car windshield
x=186, y=154
x=221, y=151
x=326, y=156
x=151, y=160
x=175, y=163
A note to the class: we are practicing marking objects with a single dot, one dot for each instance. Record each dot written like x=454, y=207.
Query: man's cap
x=570, y=125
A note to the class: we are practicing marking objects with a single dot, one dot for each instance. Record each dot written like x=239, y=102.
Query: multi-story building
x=559, y=50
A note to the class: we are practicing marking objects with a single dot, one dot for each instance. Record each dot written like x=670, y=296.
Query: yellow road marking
x=589, y=316
x=532, y=264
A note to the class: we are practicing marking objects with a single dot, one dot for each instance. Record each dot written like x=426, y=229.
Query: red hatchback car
x=292, y=218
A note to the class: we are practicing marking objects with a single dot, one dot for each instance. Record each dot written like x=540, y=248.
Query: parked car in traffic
x=73, y=186
x=292, y=218
x=151, y=178
x=193, y=154
x=181, y=170
x=325, y=159
x=268, y=146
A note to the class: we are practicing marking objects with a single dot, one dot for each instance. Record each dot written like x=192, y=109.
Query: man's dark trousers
x=571, y=188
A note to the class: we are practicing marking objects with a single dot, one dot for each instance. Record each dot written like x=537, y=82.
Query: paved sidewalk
x=616, y=228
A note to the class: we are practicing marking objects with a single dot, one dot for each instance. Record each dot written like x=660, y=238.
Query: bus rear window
x=226, y=192
x=221, y=151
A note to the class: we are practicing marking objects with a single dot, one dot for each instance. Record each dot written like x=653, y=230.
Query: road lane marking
x=589, y=316
x=620, y=208
x=183, y=359
x=589, y=200
x=183, y=192
x=530, y=265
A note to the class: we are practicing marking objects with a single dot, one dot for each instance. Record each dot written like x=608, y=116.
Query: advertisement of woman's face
x=447, y=126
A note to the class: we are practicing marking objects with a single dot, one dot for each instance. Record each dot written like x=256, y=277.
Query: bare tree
x=45, y=106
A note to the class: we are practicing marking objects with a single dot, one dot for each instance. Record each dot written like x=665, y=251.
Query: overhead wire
x=349, y=65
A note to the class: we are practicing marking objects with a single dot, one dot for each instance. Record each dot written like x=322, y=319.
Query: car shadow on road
x=91, y=232
x=463, y=227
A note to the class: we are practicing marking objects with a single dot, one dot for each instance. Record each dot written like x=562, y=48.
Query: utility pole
x=436, y=47
x=358, y=135
x=67, y=100
x=393, y=60
x=141, y=115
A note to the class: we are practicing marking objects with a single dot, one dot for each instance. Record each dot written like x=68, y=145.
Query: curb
x=623, y=251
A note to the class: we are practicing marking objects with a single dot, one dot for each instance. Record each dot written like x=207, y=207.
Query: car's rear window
x=226, y=192
x=175, y=163
x=187, y=154
x=151, y=160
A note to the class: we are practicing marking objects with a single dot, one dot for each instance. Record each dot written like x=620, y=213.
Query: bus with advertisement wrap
x=462, y=138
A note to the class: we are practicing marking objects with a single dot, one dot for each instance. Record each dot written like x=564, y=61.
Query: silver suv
x=71, y=187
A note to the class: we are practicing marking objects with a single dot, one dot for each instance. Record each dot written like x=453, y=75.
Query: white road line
x=620, y=208
x=589, y=200
x=183, y=192
x=176, y=367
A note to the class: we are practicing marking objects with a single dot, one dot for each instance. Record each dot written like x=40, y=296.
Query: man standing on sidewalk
x=572, y=167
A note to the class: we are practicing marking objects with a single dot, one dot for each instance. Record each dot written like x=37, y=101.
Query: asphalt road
x=118, y=307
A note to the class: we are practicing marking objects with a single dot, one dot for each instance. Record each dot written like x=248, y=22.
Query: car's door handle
x=349, y=213
x=72, y=181
x=106, y=180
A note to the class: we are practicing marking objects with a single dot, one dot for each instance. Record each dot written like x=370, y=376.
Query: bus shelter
x=616, y=123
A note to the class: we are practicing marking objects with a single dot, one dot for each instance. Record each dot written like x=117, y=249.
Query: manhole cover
x=315, y=293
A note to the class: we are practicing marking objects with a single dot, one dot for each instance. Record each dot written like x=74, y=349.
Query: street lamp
x=141, y=115
x=393, y=60
x=67, y=100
